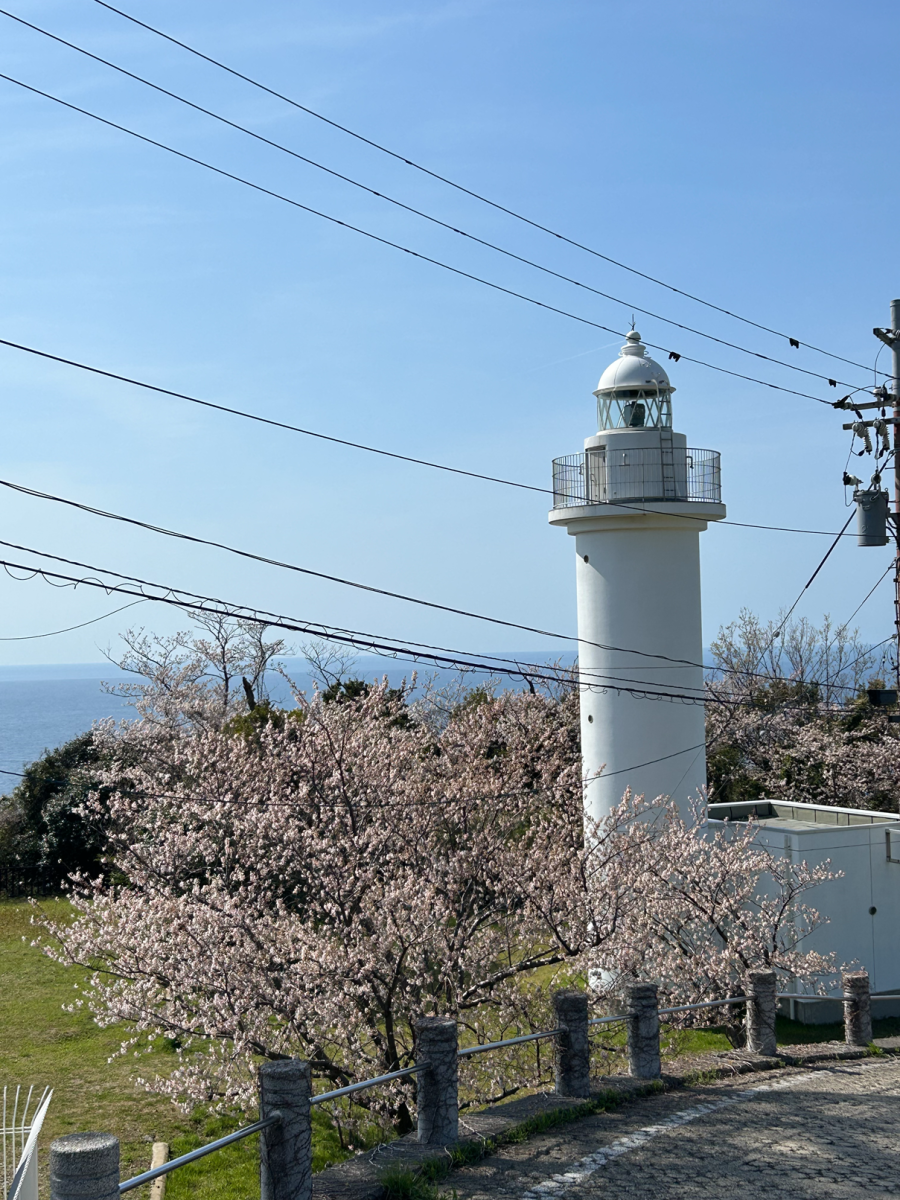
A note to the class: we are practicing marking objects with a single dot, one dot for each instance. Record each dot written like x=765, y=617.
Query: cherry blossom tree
x=313, y=884
x=789, y=718
x=186, y=681
x=713, y=905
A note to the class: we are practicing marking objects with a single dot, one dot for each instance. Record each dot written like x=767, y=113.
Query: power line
x=755, y=673
x=422, y=462
x=193, y=602
x=650, y=762
x=871, y=649
x=274, y=562
x=249, y=416
x=263, y=616
x=868, y=595
x=415, y=211
x=776, y=634
x=767, y=718
x=524, y=672
x=196, y=540
x=396, y=245
x=30, y=637
x=792, y=341
x=809, y=581
x=336, y=633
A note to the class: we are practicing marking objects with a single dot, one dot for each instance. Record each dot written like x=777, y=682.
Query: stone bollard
x=572, y=1045
x=285, y=1149
x=642, y=1025
x=761, y=1004
x=84, y=1166
x=857, y=1008
x=437, y=1086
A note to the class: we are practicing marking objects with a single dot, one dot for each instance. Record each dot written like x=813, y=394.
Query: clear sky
x=741, y=152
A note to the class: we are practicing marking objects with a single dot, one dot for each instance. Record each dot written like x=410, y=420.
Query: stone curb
x=359, y=1178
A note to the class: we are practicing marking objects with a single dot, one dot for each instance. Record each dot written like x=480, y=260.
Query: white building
x=862, y=908
x=636, y=500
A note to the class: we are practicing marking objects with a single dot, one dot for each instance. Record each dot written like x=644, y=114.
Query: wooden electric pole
x=895, y=397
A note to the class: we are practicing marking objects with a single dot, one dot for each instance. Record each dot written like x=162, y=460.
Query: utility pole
x=891, y=338
x=895, y=396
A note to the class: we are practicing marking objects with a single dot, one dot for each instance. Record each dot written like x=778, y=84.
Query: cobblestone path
x=820, y=1133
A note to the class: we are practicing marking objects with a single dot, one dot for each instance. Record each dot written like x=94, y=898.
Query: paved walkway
x=824, y=1133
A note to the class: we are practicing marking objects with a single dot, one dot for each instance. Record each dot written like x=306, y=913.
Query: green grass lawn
x=43, y=1045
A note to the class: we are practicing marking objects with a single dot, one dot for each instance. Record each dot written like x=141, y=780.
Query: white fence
x=19, y=1132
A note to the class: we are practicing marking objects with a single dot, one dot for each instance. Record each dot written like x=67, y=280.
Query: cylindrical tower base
x=640, y=650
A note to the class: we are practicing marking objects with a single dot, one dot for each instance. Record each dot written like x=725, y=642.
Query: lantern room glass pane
x=634, y=408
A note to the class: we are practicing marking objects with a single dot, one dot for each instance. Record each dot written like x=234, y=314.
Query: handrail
x=258, y=1126
x=193, y=1155
x=873, y=996
x=526, y=1037
x=663, y=1012
x=365, y=1083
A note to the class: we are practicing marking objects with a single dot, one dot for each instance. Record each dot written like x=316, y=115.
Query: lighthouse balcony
x=615, y=476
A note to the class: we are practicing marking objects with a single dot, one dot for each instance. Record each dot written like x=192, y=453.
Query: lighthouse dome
x=633, y=368
x=634, y=391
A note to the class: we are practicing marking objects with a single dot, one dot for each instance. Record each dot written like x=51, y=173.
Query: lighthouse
x=636, y=500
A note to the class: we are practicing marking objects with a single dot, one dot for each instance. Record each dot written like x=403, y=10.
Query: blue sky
x=740, y=152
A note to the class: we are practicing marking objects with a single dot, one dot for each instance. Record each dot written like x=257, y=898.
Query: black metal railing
x=17, y=881
x=608, y=476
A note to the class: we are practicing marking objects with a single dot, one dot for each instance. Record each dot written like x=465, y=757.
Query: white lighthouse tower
x=636, y=501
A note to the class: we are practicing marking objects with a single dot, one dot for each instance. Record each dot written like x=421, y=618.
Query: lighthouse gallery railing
x=607, y=476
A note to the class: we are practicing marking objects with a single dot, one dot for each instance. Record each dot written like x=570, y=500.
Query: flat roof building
x=862, y=907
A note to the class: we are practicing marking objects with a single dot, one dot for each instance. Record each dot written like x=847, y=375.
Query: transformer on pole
x=876, y=524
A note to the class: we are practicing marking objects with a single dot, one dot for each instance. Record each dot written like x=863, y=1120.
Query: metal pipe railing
x=200, y=1152
x=839, y=997
x=364, y=1084
x=664, y=1012
x=526, y=1037
x=285, y=1098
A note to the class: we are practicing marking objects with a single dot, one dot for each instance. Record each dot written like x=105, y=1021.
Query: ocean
x=38, y=714
x=41, y=707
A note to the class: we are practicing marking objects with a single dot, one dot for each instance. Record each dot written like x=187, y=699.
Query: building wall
x=857, y=936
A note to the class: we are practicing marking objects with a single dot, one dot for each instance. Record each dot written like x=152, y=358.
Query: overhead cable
x=192, y=602
x=650, y=762
x=397, y=246
x=364, y=587
x=393, y=649
x=421, y=462
x=197, y=540
x=824, y=560
x=249, y=416
x=30, y=637
x=796, y=343
x=869, y=594
x=418, y=212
